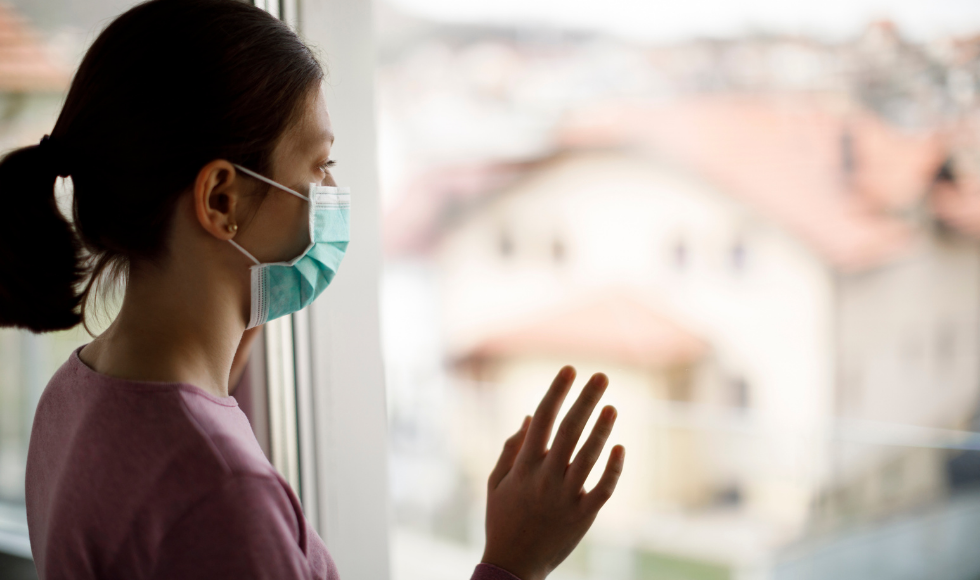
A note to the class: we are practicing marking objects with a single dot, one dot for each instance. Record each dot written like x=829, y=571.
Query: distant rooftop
x=832, y=174
x=835, y=177
x=25, y=64
x=613, y=326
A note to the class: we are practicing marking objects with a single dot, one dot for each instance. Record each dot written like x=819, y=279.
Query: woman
x=198, y=144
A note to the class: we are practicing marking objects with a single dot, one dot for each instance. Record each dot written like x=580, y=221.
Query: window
x=558, y=250
x=739, y=392
x=680, y=255
x=738, y=255
x=653, y=141
x=505, y=243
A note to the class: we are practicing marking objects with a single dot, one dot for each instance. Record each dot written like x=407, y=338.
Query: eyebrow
x=317, y=142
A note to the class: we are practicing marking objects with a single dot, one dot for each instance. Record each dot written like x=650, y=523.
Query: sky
x=672, y=20
x=643, y=20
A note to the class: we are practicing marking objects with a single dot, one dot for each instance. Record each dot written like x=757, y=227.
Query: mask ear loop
x=270, y=182
x=244, y=251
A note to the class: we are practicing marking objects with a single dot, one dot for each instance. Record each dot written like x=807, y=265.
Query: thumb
x=508, y=455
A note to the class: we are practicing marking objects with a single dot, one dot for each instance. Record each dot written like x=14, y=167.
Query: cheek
x=295, y=231
x=283, y=227
x=301, y=229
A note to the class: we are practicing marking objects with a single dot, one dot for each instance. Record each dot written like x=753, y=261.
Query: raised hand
x=537, y=506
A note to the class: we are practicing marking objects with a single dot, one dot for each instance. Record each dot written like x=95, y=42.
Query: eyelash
x=330, y=163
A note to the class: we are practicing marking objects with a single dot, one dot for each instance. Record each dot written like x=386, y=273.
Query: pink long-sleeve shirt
x=134, y=479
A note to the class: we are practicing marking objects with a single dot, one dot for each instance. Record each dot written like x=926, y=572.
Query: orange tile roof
x=432, y=199
x=781, y=155
x=613, y=326
x=784, y=156
x=25, y=65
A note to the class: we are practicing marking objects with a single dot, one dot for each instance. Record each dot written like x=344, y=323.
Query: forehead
x=315, y=125
x=312, y=134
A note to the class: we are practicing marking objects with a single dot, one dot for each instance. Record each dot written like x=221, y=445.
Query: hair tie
x=55, y=150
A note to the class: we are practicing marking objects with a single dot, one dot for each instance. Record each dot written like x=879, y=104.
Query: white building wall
x=909, y=344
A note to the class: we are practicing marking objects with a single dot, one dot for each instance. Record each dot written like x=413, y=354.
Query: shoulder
x=245, y=527
x=245, y=505
x=225, y=431
x=146, y=423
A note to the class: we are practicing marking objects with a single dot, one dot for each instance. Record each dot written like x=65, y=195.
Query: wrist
x=513, y=568
x=495, y=572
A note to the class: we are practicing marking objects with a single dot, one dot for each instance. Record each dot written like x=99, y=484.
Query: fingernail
x=526, y=422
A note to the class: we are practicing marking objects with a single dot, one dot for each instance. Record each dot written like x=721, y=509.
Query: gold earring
x=232, y=228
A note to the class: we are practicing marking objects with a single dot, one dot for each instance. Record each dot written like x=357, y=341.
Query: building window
x=558, y=250
x=680, y=255
x=505, y=244
x=738, y=255
x=739, y=392
x=946, y=341
x=730, y=495
x=848, y=159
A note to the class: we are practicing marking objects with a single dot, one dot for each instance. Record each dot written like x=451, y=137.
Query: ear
x=217, y=192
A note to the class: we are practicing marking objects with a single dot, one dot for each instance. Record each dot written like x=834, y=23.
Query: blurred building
x=767, y=243
x=768, y=258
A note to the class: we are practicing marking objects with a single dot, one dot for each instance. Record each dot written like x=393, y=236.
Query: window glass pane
x=761, y=222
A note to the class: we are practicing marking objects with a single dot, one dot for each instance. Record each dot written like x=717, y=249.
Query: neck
x=172, y=327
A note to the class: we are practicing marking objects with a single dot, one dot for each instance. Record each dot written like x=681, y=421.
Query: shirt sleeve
x=491, y=572
x=246, y=529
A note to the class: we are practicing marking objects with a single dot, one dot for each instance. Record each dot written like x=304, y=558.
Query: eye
x=326, y=166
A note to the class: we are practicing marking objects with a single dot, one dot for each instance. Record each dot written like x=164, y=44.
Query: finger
x=603, y=490
x=508, y=455
x=571, y=427
x=544, y=416
x=579, y=470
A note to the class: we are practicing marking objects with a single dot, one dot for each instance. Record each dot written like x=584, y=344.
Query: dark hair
x=167, y=87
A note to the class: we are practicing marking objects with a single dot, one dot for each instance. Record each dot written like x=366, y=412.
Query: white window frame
x=325, y=385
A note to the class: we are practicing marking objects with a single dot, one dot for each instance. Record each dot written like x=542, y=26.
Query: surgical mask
x=281, y=288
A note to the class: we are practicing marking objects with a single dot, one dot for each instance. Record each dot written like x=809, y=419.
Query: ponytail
x=40, y=255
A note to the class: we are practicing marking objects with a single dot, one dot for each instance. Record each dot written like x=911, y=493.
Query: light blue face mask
x=281, y=288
